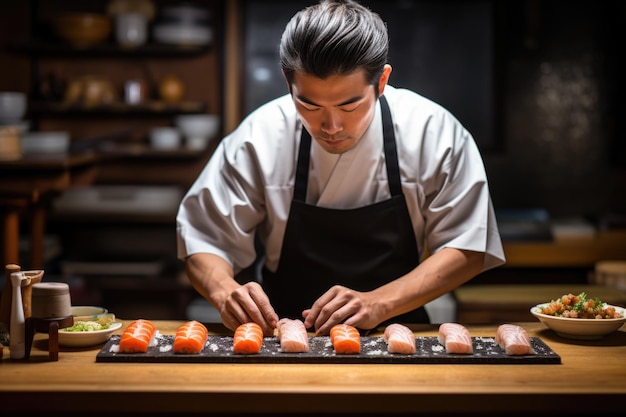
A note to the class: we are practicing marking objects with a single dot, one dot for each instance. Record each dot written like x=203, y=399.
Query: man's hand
x=249, y=303
x=342, y=305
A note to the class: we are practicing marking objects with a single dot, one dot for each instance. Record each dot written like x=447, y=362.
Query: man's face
x=337, y=110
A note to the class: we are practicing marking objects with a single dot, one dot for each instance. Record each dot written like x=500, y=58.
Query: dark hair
x=334, y=37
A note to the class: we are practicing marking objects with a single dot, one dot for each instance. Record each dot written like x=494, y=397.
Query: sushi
x=455, y=338
x=248, y=339
x=292, y=335
x=137, y=336
x=513, y=339
x=399, y=339
x=345, y=339
x=190, y=337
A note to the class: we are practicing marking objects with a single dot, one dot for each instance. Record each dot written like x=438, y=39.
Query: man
x=347, y=183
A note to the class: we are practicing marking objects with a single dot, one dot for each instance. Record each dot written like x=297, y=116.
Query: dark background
x=537, y=82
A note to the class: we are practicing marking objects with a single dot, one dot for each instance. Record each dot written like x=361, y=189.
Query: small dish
x=86, y=339
x=582, y=329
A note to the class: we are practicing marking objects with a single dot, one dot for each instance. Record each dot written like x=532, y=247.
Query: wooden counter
x=592, y=371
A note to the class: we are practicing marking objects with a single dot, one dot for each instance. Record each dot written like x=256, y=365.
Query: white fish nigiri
x=513, y=339
x=455, y=338
x=292, y=335
x=399, y=339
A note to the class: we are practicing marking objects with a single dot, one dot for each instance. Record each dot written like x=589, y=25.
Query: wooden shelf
x=567, y=252
x=110, y=50
x=118, y=109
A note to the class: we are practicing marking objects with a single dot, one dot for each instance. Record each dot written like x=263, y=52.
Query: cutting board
x=218, y=349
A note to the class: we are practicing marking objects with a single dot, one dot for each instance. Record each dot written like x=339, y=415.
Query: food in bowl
x=579, y=317
x=90, y=319
x=580, y=306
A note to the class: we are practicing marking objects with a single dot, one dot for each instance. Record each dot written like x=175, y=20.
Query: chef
x=366, y=201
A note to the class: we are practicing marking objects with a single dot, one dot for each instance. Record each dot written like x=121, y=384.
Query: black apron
x=361, y=248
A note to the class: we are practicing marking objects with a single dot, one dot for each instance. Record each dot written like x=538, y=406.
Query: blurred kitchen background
x=539, y=83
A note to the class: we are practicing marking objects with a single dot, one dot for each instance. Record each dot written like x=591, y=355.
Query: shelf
x=146, y=152
x=110, y=49
x=159, y=108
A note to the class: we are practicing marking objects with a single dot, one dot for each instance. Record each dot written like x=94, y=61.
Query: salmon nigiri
x=455, y=338
x=248, y=339
x=292, y=335
x=137, y=336
x=399, y=339
x=513, y=339
x=190, y=337
x=345, y=339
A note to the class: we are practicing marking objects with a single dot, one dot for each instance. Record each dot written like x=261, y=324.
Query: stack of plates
x=185, y=24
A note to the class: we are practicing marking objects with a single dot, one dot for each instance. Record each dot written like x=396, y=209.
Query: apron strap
x=391, y=152
x=389, y=147
x=302, y=168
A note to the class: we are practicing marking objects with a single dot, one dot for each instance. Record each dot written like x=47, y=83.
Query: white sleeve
x=456, y=201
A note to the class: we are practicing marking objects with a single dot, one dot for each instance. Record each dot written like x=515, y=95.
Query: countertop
x=590, y=378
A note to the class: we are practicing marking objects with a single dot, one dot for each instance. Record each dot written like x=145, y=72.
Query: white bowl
x=83, y=313
x=198, y=129
x=583, y=329
x=85, y=339
x=12, y=106
x=165, y=138
x=36, y=143
x=177, y=34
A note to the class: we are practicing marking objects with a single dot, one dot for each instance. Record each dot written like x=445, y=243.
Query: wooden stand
x=50, y=326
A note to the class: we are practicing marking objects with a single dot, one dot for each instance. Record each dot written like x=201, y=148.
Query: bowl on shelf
x=165, y=138
x=582, y=329
x=12, y=106
x=82, y=29
x=198, y=129
x=45, y=143
x=183, y=35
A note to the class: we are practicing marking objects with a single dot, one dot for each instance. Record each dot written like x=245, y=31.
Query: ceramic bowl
x=176, y=34
x=198, y=129
x=583, y=329
x=84, y=313
x=86, y=339
x=82, y=29
x=165, y=138
x=12, y=106
x=52, y=142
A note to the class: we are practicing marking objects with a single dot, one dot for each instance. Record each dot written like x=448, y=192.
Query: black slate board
x=218, y=349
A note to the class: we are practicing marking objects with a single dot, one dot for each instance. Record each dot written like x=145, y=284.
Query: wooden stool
x=610, y=273
x=50, y=326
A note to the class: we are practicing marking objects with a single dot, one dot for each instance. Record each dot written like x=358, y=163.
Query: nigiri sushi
x=137, y=336
x=190, y=337
x=399, y=339
x=248, y=339
x=345, y=339
x=292, y=335
x=513, y=339
x=455, y=338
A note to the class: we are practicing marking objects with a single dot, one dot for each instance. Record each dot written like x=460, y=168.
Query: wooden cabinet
x=117, y=132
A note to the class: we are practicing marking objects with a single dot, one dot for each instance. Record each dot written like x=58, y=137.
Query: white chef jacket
x=247, y=186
